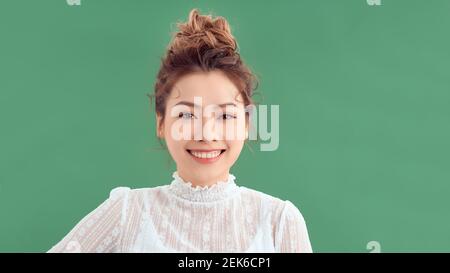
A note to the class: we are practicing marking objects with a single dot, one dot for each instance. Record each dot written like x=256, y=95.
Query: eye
x=186, y=115
x=228, y=116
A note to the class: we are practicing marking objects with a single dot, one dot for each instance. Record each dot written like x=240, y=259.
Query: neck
x=202, y=180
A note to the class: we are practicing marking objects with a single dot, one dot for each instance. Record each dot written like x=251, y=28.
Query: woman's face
x=204, y=126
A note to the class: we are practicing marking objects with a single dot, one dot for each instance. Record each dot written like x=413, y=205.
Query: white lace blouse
x=178, y=217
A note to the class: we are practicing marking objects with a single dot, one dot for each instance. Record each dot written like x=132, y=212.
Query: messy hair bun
x=202, y=44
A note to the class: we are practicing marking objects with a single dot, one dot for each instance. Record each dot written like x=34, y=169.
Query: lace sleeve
x=292, y=234
x=100, y=230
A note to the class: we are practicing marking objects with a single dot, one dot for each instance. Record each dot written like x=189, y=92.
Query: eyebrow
x=191, y=104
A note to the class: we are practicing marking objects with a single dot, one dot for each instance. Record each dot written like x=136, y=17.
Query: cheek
x=234, y=149
x=175, y=147
x=177, y=152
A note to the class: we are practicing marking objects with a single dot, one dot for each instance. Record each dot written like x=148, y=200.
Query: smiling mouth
x=206, y=154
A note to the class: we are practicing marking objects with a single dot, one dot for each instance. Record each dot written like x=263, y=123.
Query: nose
x=208, y=130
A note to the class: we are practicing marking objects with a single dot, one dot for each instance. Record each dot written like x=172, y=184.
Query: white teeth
x=205, y=155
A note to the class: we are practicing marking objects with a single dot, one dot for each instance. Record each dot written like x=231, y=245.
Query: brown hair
x=202, y=44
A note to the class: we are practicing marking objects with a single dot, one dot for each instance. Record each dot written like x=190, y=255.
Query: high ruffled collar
x=215, y=192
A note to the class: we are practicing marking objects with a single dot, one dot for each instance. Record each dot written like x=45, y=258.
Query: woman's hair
x=203, y=44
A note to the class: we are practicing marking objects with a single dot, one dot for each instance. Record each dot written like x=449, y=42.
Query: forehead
x=213, y=87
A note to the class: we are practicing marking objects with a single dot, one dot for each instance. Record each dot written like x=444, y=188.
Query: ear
x=159, y=126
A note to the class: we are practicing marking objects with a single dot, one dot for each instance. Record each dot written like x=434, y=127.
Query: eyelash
x=224, y=116
x=231, y=116
x=182, y=115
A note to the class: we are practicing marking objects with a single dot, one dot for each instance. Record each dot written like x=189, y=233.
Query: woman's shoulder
x=119, y=192
x=276, y=210
x=275, y=204
x=128, y=192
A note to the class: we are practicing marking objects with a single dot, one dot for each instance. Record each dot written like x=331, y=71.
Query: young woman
x=202, y=209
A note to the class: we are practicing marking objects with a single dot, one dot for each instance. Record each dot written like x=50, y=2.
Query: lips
x=206, y=156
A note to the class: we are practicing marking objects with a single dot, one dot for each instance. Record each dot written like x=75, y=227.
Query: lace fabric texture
x=178, y=217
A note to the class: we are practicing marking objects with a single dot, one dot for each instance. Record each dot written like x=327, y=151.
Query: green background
x=364, y=94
